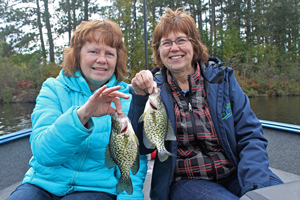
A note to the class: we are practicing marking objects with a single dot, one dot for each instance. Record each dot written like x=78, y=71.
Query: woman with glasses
x=220, y=148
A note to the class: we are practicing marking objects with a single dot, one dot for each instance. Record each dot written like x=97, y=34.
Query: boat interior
x=283, y=150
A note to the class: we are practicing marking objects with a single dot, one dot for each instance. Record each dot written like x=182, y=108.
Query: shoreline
x=30, y=97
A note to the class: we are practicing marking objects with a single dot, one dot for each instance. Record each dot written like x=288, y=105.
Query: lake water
x=278, y=109
x=15, y=117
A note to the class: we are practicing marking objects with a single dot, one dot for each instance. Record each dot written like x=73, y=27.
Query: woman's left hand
x=99, y=103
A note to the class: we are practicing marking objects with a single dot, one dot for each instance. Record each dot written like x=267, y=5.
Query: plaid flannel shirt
x=199, y=155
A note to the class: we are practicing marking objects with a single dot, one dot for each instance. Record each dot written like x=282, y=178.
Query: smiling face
x=177, y=59
x=97, y=62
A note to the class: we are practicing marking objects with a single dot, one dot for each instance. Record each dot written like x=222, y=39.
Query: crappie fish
x=122, y=151
x=157, y=126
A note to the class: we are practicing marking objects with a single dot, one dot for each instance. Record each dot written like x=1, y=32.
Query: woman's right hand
x=99, y=103
x=143, y=83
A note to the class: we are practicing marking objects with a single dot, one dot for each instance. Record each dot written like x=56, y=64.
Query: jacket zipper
x=81, y=162
x=191, y=108
x=203, y=150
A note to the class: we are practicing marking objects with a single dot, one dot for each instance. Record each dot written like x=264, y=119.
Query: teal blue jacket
x=67, y=157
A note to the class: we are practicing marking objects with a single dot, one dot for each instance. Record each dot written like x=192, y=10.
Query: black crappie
x=157, y=126
x=122, y=151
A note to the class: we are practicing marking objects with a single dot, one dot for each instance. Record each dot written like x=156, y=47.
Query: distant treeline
x=22, y=76
x=260, y=39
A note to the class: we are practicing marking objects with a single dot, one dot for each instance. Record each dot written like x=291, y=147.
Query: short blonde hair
x=86, y=31
x=178, y=21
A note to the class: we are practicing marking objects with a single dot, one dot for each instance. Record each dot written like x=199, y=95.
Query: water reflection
x=278, y=109
x=15, y=117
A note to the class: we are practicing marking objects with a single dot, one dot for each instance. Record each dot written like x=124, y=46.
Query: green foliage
x=6, y=50
x=260, y=40
x=24, y=74
x=251, y=93
x=231, y=44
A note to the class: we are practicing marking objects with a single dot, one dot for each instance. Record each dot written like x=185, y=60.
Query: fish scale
x=157, y=126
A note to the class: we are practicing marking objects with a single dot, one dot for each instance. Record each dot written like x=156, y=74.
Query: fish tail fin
x=163, y=155
x=125, y=184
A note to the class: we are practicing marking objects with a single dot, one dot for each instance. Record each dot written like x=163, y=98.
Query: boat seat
x=287, y=191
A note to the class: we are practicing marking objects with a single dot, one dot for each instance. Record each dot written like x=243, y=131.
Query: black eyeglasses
x=166, y=44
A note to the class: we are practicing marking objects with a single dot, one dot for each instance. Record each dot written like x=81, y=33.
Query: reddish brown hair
x=178, y=21
x=111, y=35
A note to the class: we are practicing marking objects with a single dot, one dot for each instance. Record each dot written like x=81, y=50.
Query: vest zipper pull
x=190, y=107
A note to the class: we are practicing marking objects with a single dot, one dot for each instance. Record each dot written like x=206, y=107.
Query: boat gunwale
x=265, y=124
x=15, y=135
x=280, y=126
